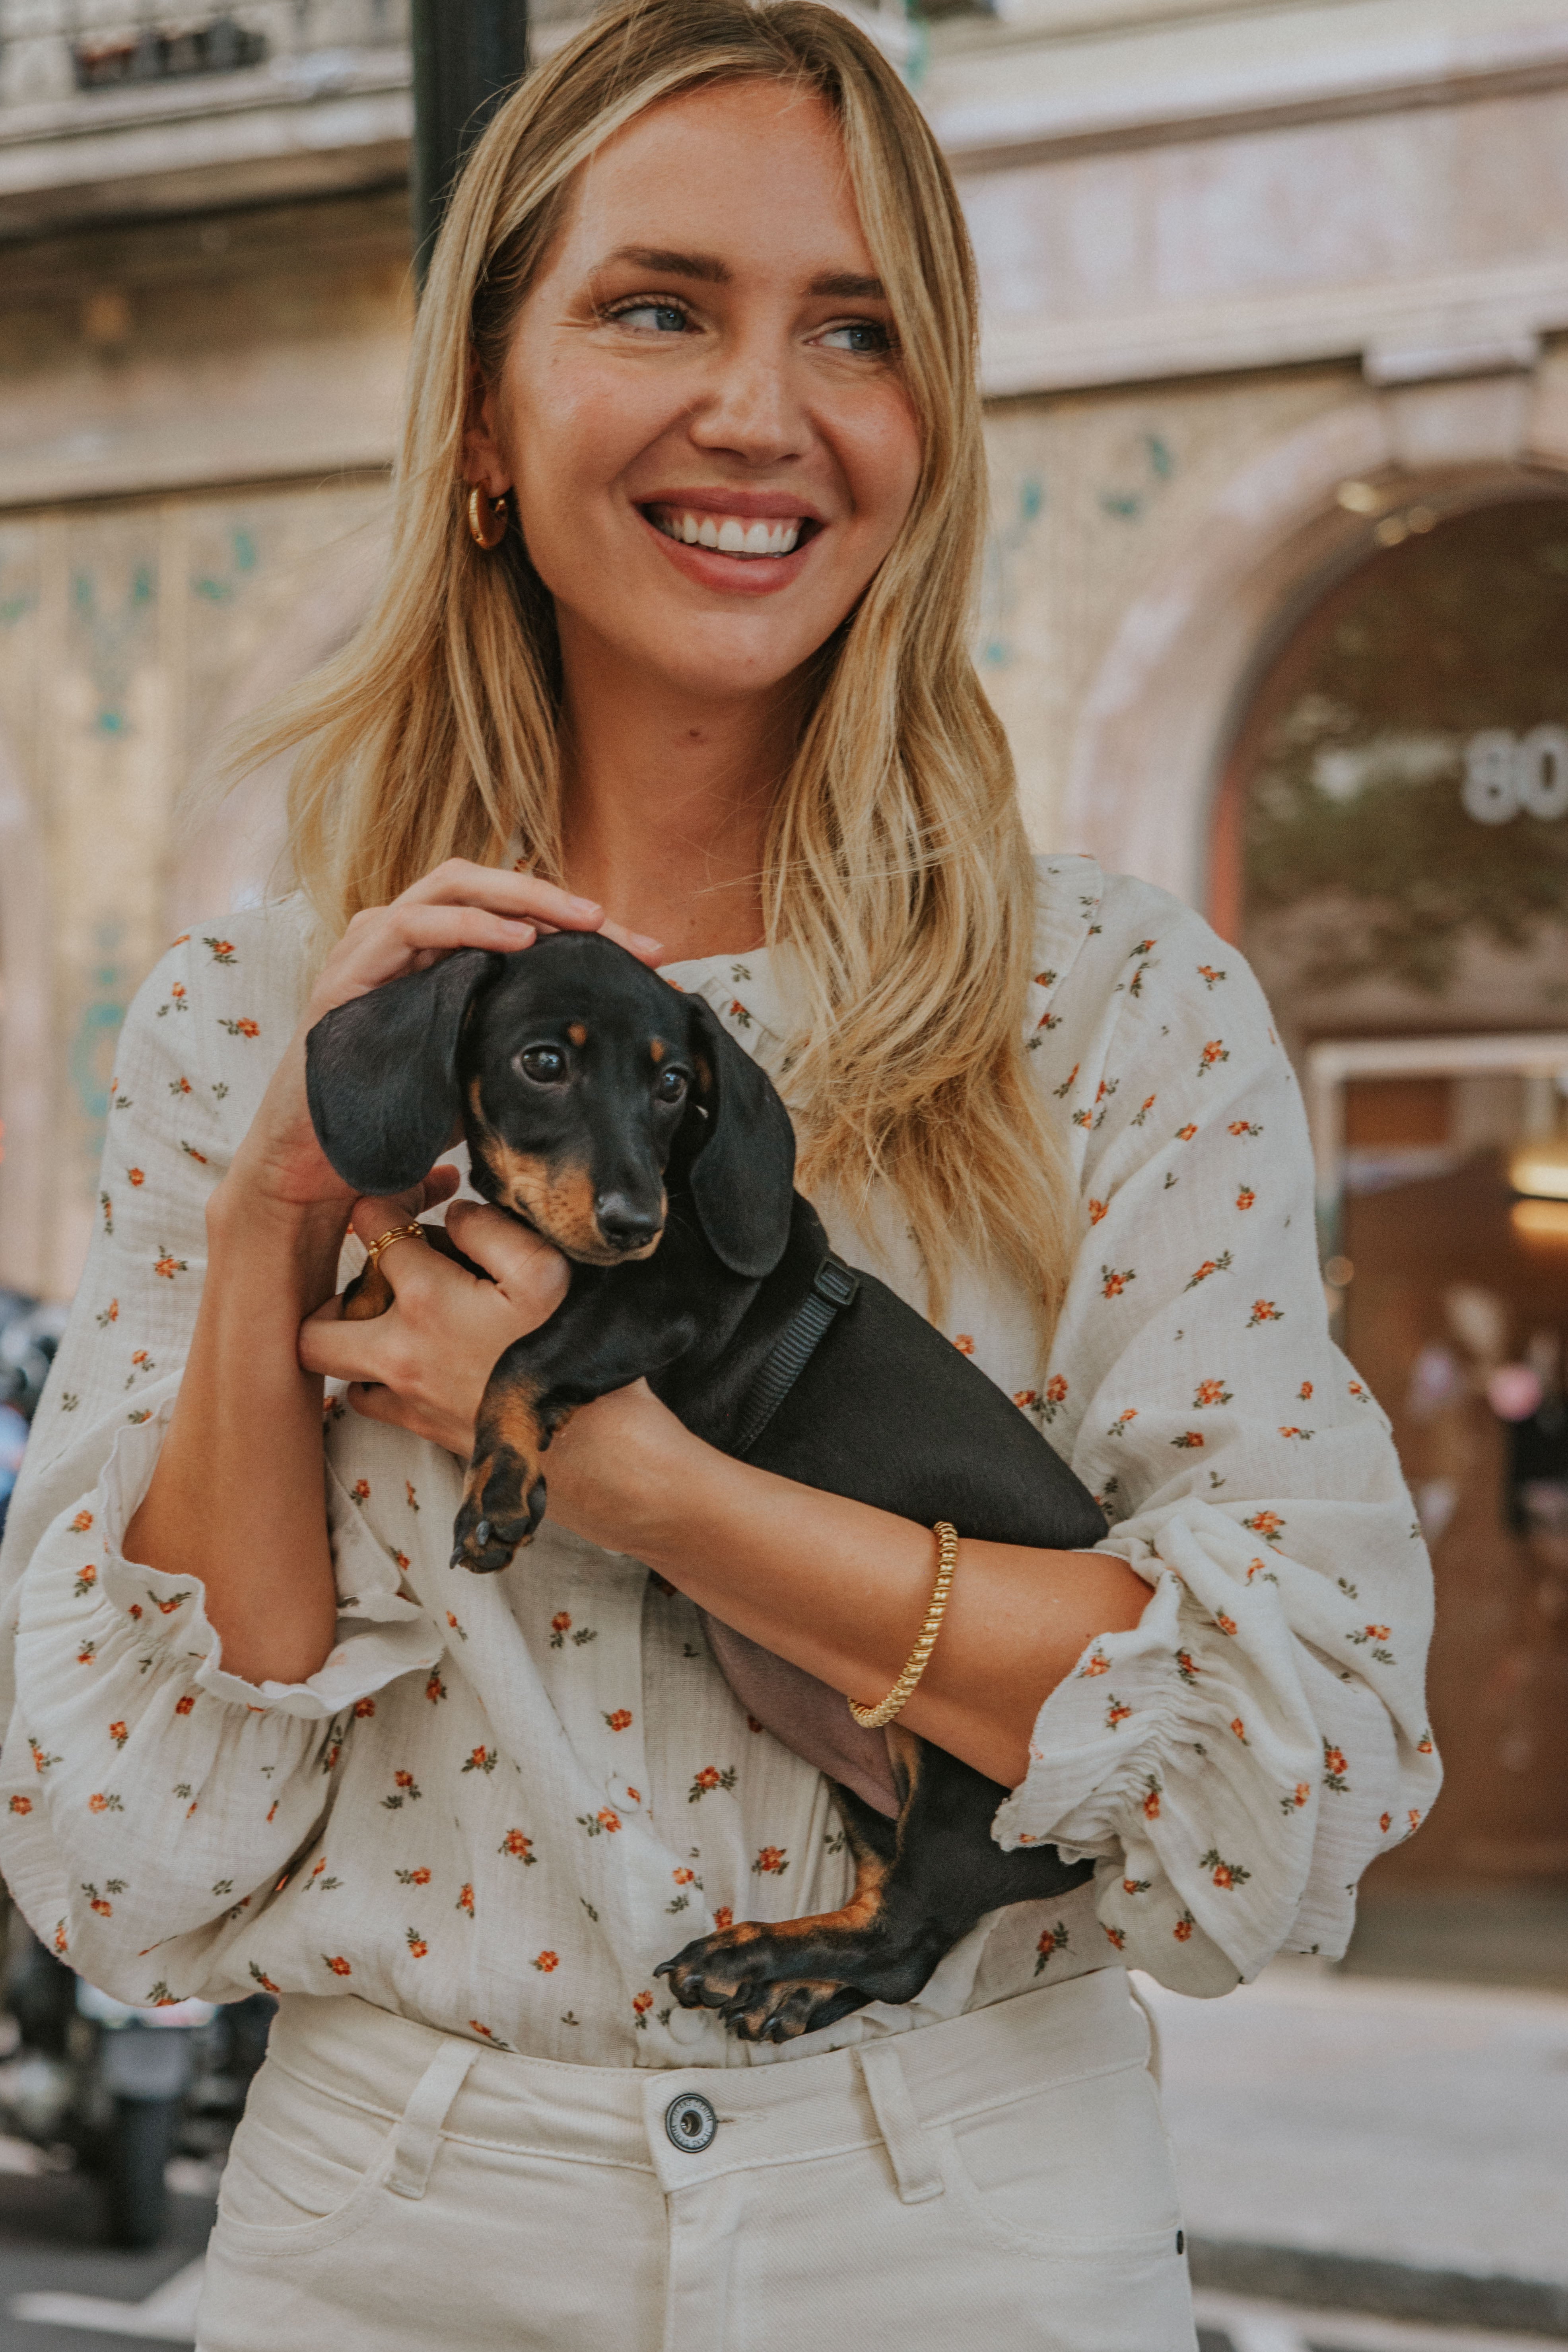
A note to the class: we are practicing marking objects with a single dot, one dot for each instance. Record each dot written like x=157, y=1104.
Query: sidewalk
x=1375, y=2145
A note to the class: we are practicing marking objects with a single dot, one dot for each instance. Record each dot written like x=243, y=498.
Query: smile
x=728, y=534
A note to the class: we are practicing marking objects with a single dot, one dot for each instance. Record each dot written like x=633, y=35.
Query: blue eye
x=659, y=318
x=865, y=336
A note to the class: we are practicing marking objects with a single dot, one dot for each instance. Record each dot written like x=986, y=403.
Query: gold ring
x=397, y=1233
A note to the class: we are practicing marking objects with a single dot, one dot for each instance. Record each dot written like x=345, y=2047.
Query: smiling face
x=701, y=414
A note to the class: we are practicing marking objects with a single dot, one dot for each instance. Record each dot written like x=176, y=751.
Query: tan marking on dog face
x=577, y=1033
x=657, y=1051
x=556, y=1198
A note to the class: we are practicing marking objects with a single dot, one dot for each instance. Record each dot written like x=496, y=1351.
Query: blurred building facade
x=1275, y=359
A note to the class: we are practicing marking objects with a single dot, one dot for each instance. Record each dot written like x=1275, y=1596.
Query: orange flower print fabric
x=1194, y=1341
x=502, y=1802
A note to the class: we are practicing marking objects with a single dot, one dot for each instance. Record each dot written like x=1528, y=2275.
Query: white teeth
x=729, y=535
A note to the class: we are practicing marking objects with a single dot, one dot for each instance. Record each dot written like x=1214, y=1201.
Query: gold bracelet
x=872, y=1718
x=384, y=1242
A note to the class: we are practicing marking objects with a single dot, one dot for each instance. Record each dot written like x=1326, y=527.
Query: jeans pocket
x=1072, y=2168
x=304, y=2167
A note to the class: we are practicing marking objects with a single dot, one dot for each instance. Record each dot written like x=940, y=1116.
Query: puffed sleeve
x=1234, y=1761
x=140, y=1783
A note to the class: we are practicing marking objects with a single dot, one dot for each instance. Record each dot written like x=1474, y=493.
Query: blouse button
x=691, y=2123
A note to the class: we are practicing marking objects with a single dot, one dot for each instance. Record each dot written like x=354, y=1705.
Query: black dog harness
x=833, y=1286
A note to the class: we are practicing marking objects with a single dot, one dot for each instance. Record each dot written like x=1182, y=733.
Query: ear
x=743, y=1178
x=381, y=1073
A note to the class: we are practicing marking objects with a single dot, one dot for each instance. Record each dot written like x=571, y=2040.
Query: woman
x=675, y=632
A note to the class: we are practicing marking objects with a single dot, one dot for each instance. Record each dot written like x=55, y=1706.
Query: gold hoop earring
x=486, y=530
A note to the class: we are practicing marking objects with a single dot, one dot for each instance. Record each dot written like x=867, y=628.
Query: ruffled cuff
x=1181, y=1756
x=382, y=1632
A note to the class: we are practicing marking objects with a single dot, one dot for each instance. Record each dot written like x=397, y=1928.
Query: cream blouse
x=503, y=1801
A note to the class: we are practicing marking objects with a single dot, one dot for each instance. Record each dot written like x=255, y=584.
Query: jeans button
x=691, y=2123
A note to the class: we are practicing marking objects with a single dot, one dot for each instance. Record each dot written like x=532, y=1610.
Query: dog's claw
x=758, y=1996
x=487, y=1538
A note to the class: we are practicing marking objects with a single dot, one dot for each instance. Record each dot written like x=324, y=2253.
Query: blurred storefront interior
x=1277, y=365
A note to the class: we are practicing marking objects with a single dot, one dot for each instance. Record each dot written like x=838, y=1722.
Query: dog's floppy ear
x=743, y=1178
x=381, y=1073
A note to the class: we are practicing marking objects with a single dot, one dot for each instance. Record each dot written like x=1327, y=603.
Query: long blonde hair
x=896, y=865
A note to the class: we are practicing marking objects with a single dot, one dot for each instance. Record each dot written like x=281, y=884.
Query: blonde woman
x=674, y=632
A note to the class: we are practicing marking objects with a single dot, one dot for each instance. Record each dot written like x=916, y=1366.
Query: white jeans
x=1002, y=2180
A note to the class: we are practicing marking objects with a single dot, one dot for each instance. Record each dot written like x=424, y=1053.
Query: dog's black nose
x=624, y=1226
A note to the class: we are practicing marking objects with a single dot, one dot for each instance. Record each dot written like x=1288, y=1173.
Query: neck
x=666, y=799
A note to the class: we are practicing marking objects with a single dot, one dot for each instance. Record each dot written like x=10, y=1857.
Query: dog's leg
x=772, y=1983
x=503, y=1495
x=367, y=1296
x=528, y=1397
x=920, y=1885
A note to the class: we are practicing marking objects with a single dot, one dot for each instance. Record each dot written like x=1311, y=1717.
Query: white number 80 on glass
x=1505, y=774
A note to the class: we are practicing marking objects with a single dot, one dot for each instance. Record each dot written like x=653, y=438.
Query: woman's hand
x=423, y=1365
x=281, y=1166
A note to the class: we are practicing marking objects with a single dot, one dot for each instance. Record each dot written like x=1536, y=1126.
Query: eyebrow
x=665, y=264
x=848, y=288
x=839, y=285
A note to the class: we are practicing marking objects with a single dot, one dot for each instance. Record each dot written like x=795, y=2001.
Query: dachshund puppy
x=617, y=1117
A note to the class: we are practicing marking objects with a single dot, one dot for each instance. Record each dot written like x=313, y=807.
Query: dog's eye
x=670, y=1086
x=545, y=1064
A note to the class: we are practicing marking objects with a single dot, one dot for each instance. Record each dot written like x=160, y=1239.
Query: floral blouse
x=503, y=1801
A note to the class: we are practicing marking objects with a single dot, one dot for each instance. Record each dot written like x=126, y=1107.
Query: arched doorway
x=1391, y=851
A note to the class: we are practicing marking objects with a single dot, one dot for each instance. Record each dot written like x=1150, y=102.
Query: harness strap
x=833, y=1286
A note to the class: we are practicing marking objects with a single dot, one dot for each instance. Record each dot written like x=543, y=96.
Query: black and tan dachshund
x=615, y=1116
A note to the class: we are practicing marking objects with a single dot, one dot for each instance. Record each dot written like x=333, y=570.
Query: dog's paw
x=753, y=1980
x=490, y=1527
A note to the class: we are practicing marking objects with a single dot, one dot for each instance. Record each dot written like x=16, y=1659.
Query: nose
x=754, y=410
x=624, y=1223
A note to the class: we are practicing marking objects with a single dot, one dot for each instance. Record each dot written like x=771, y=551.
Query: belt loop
x=909, y=2149
x=1153, y=2024
x=418, y=2134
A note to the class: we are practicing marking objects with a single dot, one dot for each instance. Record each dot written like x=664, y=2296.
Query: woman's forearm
x=238, y=1496
x=842, y=1589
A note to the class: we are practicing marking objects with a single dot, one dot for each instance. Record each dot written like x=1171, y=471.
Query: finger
x=375, y=1403
x=526, y=1268
x=642, y=944
x=372, y=1216
x=400, y=937
x=460, y=881
x=331, y=1349
x=439, y=1185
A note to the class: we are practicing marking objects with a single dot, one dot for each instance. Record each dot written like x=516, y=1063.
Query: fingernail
x=644, y=941
x=587, y=906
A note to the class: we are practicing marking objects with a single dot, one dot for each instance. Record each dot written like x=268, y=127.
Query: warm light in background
x=1540, y=1168
x=1540, y=1220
